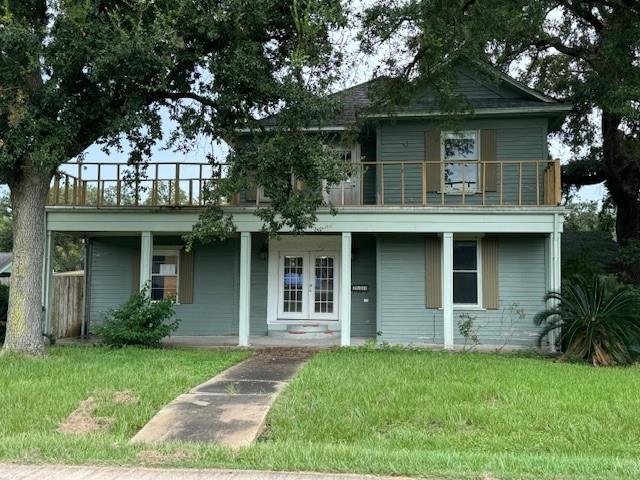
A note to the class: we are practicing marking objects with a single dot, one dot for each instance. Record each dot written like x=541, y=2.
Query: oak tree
x=76, y=73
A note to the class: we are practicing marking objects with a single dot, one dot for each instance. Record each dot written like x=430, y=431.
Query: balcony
x=405, y=183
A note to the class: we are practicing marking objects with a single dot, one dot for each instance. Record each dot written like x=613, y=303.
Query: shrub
x=140, y=321
x=599, y=320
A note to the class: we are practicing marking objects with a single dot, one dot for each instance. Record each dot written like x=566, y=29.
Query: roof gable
x=484, y=94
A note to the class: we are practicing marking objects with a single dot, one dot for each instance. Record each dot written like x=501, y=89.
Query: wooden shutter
x=489, y=253
x=185, y=277
x=432, y=154
x=433, y=278
x=135, y=271
x=489, y=153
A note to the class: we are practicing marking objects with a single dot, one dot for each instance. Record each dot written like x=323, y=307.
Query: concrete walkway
x=230, y=409
x=61, y=472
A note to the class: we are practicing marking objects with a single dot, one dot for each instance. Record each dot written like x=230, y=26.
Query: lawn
x=392, y=412
x=128, y=386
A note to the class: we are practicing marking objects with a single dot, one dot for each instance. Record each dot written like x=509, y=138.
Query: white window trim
x=448, y=189
x=167, y=250
x=478, y=305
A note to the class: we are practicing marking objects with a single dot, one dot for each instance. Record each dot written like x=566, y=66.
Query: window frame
x=449, y=189
x=478, y=271
x=167, y=250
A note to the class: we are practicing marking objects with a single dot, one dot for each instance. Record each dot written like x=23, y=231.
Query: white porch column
x=245, y=289
x=554, y=273
x=47, y=282
x=345, y=290
x=146, y=253
x=447, y=288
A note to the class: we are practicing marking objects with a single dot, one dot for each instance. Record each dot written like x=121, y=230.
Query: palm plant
x=599, y=320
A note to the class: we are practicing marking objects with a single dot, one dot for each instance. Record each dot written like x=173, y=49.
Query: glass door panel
x=293, y=284
x=323, y=295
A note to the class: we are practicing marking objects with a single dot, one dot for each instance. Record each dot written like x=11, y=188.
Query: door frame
x=308, y=286
x=306, y=245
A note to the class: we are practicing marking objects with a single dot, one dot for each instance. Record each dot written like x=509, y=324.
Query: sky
x=358, y=68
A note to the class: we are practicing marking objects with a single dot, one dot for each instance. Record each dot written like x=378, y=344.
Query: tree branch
x=576, y=179
x=587, y=15
x=556, y=42
x=187, y=95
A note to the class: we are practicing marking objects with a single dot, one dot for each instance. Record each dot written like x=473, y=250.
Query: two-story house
x=435, y=225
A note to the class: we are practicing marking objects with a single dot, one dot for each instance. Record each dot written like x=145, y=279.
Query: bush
x=140, y=321
x=4, y=307
x=599, y=320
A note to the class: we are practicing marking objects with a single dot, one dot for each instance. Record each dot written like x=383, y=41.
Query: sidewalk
x=230, y=409
x=62, y=472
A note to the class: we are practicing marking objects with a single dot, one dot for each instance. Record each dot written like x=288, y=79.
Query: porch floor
x=261, y=341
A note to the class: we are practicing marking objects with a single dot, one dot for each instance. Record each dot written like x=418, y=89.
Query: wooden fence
x=68, y=304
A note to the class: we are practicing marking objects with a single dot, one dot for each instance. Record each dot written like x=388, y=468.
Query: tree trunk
x=622, y=173
x=24, y=322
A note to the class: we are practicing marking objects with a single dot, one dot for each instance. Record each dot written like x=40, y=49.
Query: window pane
x=465, y=287
x=460, y=146
x=164, y=265
x=324, y=274
x=293, y=279
x=465, y=255
x=458, y=174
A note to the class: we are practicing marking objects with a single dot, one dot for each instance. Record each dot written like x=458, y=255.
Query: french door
x=308, y=286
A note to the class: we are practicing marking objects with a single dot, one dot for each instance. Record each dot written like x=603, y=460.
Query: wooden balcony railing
x=405, y=183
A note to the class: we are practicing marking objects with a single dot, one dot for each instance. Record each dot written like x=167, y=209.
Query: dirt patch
x=83, y=421
x=155, y=457
x=125, y=397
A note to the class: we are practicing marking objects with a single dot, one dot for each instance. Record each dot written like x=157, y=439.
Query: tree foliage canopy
x=74, y=73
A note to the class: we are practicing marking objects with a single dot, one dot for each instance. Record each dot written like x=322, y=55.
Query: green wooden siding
x=259, y=275
x=405, y=319
x=110, y=274
x=363, y=272
x=215, y=304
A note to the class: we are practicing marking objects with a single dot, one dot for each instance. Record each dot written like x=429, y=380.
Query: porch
x=380, y=269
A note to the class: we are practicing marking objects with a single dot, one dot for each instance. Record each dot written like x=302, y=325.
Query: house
x=435, y=225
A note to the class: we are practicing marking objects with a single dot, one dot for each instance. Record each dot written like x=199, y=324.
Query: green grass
x=37, y=394
x=388, y=412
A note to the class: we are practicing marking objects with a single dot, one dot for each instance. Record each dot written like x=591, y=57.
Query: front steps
x=304, y=331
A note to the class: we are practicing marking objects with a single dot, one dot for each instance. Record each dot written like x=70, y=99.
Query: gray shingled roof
x=357, y=101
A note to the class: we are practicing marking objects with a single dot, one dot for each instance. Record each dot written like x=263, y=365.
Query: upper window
x=465, y=272
x=164, y=274
x=460, y=154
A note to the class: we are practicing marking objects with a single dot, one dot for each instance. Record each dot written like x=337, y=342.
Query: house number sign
x=359, y=288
